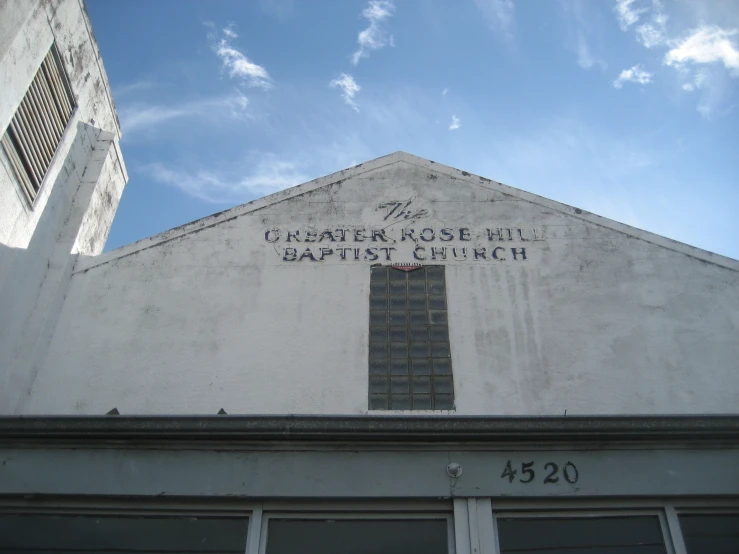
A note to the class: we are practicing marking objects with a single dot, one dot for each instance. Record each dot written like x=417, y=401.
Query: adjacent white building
x=400, y=356
x=61, y=174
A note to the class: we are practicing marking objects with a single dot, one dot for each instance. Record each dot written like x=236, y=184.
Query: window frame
x=673, y=518
x=589, y=513
x=471, y=521
x=22, y=182
x=387, y=377
x=135, y=507
x=356, y=513
x=668, y=511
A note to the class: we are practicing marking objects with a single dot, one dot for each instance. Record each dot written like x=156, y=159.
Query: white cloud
x=634, y=75
x=583, y=30
x=500, y=15
x=705, y=45
x=375, y=36
x=237, y=104
x=270, y=174
x=700, y=79
x=706, y=57
x=444, y=92
x=280, y=8
x=455, y=124
x=713, y=88
x=349, y=89
x=650, y=35
x=133, y=88
x=654, y=32
x=585, y=59
x=627, y=13
x=137, y=118
x=235, y=62
x=701, y=59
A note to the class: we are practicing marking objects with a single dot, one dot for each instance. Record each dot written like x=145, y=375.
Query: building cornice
x=427, y=429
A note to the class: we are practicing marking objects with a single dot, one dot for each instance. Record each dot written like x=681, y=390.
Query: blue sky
x=625, y=108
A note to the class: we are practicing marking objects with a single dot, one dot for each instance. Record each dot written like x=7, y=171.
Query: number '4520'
x=551, y=470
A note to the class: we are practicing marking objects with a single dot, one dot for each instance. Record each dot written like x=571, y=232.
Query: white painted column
x=474, y=528
x=675, y=534
x=253, y=536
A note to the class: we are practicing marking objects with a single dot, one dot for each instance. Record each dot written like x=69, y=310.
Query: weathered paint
x=72, y=214
x=349, y=471
x=29, y=28
x=600, y=318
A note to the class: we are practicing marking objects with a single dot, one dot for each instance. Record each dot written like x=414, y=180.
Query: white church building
x=398, y=357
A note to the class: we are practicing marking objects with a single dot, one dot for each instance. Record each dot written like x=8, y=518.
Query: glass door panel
x=581, y=535
x=104, y=534
x=710, y=533
x=357, y=536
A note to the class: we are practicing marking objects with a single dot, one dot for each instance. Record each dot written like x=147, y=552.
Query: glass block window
x=410, y=365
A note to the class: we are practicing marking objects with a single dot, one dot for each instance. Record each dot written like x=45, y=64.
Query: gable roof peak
x=384, y=161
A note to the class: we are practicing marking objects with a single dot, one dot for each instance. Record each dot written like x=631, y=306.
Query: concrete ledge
x=435, y=429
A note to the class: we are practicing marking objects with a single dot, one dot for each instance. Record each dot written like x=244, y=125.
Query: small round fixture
x=454, y=469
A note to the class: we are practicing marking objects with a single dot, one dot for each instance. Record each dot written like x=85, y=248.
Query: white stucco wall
x=599, y=319
x=80, y=193
x=28, y=30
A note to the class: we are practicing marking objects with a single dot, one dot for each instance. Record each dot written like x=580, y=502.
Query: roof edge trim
x=572, y=211
x=372, y=428
x=85, y=264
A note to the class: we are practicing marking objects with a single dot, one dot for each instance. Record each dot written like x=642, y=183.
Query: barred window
x=410, y=366
x=36, y=129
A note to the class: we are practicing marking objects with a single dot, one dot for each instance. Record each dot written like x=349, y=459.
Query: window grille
x=410, y=366
x=36, y=129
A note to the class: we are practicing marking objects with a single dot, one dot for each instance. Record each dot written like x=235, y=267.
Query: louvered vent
x=37, y=126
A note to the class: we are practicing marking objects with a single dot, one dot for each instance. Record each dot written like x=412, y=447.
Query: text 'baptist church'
x=426, y=241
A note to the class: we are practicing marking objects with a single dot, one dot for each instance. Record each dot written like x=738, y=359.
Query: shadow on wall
x=34, y=280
